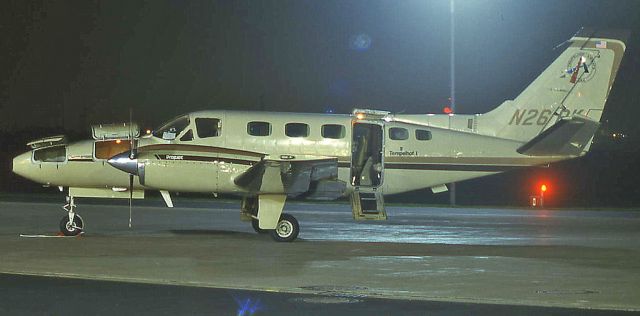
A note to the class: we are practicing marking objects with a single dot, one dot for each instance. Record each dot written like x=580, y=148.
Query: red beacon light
x=447, y=110
x=543, y=189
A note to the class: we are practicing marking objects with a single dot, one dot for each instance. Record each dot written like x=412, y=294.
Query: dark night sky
x=67, y=64
x=94, y=60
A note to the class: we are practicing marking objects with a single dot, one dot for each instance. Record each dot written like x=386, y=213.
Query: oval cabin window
x=398, y=133
x=259, y=128
x=296, y=130
x=333, y=131
x=423, y=135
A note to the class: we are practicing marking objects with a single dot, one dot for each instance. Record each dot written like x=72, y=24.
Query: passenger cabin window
x=108, y=149
x=333, y=131
x=207, y=127
x=188, y=136
x=398, y=133
x=50, y=154
x=296, y=130
x=423, y=135
x=172, y=129
x=259, y=128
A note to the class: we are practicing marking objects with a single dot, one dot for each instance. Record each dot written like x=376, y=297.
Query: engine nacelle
x=178, y=175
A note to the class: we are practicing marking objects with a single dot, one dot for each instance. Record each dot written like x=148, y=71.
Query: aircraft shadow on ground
x=212, y=232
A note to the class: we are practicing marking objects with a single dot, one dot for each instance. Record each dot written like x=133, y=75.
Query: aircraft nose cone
x=21, y=164
x=124, y=163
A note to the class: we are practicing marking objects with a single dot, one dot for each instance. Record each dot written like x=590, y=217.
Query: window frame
x=270, y=131
x=427, y=132
x=64, y=147
x=306, y=134
x=343, y=131
x=159, y=132
x=218, y=127
x=188, y=132
x=95, y=143
x=391, y=133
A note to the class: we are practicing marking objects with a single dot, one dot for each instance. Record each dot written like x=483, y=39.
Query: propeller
x=128, y=162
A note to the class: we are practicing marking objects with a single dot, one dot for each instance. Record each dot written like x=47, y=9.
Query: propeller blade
x=132, y=156
x=132, y=152
x=130, y=197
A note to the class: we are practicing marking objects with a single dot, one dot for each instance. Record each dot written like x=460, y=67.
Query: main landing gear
x=287, y=228
x=267, y=210
x=71, y=224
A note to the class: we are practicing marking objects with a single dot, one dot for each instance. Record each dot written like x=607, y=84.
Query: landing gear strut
x=71, y=224
x=249, y=212
x=266, y=211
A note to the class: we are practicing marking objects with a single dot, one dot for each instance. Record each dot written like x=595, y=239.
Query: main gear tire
x=256, y=226
x=287, y=229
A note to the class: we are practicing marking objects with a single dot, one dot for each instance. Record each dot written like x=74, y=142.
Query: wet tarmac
x=123, y=298
x=574, y=259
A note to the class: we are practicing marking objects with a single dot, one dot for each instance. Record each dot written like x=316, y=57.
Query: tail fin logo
x=581, y=67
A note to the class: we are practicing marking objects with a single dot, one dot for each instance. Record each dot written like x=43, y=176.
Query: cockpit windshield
x=172, y=129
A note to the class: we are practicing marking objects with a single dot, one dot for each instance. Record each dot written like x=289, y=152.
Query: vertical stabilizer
x=577, y=83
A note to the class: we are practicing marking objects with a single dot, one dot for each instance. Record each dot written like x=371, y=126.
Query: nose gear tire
x=71, y=229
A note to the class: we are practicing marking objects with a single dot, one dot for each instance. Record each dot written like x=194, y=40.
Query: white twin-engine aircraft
x=266, y=157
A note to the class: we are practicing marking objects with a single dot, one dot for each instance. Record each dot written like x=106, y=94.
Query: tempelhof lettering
x=403, y=153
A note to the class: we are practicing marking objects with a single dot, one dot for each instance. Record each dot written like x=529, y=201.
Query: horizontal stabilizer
x=568, y=137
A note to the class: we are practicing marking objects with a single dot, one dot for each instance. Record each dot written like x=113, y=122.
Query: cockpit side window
x=188, y=136
x=172, y=129
x=50, y=154
x=207, y=127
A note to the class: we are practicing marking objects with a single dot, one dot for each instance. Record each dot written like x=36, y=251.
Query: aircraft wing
x=312, y=176
x=568, y=137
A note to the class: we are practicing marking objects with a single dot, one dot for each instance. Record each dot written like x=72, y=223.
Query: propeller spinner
x=124, y=162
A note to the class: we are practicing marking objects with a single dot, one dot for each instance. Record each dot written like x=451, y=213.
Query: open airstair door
x=367, y=170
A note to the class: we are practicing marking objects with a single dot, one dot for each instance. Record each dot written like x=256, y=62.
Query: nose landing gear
x=71, y=224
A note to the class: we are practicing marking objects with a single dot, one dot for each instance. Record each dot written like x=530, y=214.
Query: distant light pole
x=452, y=186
